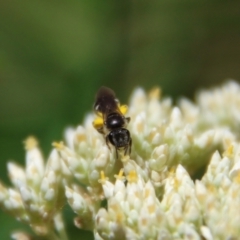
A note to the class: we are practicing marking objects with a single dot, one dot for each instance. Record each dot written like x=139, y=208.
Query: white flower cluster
x=181, y=181
x=38, y=193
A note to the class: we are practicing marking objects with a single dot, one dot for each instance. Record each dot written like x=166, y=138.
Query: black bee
x=111, y=121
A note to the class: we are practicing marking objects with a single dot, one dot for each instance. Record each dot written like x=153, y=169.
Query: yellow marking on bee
x=98, y=123
x=123, y=109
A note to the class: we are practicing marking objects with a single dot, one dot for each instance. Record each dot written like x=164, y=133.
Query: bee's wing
x=105, y=101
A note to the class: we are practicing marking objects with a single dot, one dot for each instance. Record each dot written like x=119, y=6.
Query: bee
x=111, y=121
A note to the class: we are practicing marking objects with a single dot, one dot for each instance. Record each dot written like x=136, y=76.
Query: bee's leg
x=107, y=142
x=116, y=152
x=128, y=119
x=100, y=130
x=128, y=148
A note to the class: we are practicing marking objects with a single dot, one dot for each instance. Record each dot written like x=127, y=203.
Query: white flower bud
x=16, y=174
x=206, y=233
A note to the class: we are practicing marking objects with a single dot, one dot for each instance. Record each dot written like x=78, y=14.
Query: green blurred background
x=54, y=55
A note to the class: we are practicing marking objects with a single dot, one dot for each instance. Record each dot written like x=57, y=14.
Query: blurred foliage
x=54, y=55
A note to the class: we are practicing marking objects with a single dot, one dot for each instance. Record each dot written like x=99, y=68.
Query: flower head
x=181, y=180
x=37, y=193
